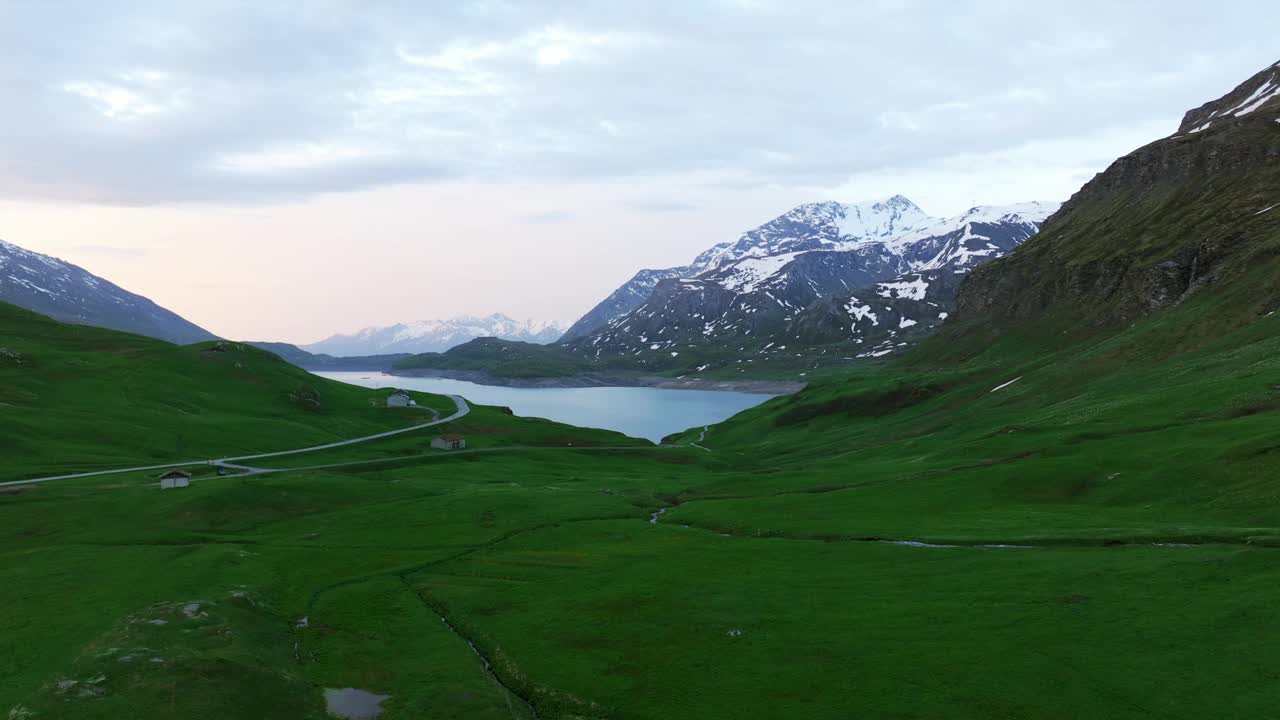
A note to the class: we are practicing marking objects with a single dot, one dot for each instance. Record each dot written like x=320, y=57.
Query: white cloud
x=300, y=156
x=187, y=100
x=130, y=95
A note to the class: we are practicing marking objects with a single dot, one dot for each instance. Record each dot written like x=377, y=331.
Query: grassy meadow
x=1096, y=538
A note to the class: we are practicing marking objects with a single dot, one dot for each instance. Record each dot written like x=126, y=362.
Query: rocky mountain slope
x=434, y=335
x=816, y=226
x=1193, y=218
x=630, y=296
x=71, y=294
x=874, y=275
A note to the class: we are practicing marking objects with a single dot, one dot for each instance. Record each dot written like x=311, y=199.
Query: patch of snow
x=746, y=275
x=1265, y=92
x=859, y=312
x=998, y=387
x=912, y=290
x=877, y=220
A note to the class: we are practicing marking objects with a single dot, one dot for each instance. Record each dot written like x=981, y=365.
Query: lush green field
x=1139, y=498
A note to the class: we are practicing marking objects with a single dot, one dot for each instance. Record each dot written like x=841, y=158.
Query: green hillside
x=78, y=398
x=501, y=359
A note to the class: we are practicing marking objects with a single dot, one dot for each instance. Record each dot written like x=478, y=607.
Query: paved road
x=231, y=462
x=248, y=470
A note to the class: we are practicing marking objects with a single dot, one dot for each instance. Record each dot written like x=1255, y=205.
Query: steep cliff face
x=1188, y=213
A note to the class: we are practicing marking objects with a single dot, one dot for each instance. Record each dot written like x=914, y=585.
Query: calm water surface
x=650, y=413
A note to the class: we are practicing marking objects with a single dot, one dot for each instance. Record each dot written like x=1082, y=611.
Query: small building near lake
x=449, y=442
x=400, y=398
x=175, y=479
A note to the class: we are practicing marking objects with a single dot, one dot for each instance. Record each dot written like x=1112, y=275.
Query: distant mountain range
x=862, y=280
x=875, y=275
x=435, y=335
x=69, y=293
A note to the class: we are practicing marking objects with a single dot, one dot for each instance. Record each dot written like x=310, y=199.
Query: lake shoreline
x=600, y=379
x=648, y=412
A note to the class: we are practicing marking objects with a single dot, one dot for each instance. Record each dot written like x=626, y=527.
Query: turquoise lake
x=650, y=413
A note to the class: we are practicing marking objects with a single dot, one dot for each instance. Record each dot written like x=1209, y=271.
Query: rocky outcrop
x=1249, y=96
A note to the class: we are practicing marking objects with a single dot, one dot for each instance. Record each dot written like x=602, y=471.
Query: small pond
x=353, y=704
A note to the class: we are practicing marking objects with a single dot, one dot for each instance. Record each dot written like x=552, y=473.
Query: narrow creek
x=488, y=669
x=655, y=519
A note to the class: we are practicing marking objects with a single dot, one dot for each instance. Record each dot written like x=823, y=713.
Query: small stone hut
x=400, y=398
x=449, y=442
x=175, y=479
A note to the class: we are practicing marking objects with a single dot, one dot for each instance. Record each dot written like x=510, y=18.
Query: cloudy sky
x=288, y=170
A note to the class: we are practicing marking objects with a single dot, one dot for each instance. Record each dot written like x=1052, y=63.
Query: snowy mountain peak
x=435, y=335
x=880, y=219
x=1027, y=211
x=816, y=226
x=864, y=220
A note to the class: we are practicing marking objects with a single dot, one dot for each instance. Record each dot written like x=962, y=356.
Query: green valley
x=1064, y=503
x=1097, y=531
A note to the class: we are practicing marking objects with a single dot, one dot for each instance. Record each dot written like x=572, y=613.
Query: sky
x=289, y=170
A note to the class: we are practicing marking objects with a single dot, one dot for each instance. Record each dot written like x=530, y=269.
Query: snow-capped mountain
x=435, y=335
x=828, y=226
x=802, y=277
x=818, y=226
x=69, y=293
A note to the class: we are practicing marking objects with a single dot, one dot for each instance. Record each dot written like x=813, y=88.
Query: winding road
x=232, y=462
